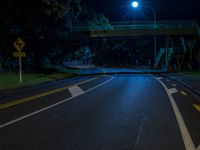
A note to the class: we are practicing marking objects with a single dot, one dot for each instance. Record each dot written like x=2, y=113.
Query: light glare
x=135, y=4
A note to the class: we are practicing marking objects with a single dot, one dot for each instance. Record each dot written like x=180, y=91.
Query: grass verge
x=195, y=74
x=11, y=80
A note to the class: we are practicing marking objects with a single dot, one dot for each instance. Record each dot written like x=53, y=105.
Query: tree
x=43, y=24
x=100, y=22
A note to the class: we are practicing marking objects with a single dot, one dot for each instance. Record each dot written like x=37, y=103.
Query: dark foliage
x=42, y=24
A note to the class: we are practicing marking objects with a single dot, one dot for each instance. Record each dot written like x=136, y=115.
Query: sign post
x=20, y=69
x=19, y=45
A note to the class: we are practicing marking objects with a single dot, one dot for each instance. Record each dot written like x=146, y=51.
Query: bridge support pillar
x=167, y=46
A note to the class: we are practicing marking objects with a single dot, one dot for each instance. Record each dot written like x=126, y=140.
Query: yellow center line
x=23, y=100
x=183, y=93
x=197, y=107
x=34, y=97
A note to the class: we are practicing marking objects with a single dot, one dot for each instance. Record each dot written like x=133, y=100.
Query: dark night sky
x=119, y=10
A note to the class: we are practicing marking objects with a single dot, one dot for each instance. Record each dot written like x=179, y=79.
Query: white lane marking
x=159, y=78
x=140, y=132
x=198, y=148
x=51, y=106
x=75, y=91
x=189, y=145
x=172, y=91
x=167, y=80
x=174, y=84
x=183, y=93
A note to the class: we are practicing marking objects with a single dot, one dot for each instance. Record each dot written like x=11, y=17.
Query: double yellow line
x=34, y=97
x=30, y=98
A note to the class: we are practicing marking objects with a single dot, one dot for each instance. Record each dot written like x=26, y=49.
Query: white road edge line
x=189, y=145
x=51, y=106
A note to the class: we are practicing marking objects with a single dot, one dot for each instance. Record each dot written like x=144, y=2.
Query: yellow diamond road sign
x=19, y=44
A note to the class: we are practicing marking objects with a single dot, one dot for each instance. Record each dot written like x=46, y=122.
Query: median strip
x=34, y=97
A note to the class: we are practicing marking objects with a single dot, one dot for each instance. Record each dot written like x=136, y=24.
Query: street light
x=135, y=4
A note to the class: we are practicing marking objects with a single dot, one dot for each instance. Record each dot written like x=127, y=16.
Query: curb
x=113, y=73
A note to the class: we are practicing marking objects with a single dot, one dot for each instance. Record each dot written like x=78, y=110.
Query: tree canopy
x=42, y=24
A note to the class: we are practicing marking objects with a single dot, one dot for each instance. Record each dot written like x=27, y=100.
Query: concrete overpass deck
x=141, y=28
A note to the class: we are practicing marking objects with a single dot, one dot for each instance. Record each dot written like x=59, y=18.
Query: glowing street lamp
x=135, y=4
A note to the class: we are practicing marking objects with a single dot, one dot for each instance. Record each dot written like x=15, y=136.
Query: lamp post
x=135, y=4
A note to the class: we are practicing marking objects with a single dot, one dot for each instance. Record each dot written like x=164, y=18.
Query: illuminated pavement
x=108, y=112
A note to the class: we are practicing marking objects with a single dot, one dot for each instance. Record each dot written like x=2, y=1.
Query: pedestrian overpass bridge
x=137, y=28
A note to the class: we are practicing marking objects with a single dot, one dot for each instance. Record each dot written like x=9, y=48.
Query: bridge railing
x=139, y=25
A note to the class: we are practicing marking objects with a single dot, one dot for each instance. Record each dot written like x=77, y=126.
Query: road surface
x=107, y=112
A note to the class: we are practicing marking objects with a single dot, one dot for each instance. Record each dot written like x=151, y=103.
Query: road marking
x=75, y=91
x=183, y=93
x=197, y=107
x=34, y=97
x=189, y=145
x=159, y=78
x=172, y=91
x=167, y=80
x=51, y=106
x=198, y=148
x=174, y=84
x=140, y=132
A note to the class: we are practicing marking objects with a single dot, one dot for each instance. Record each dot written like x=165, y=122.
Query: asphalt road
x=115, y=112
